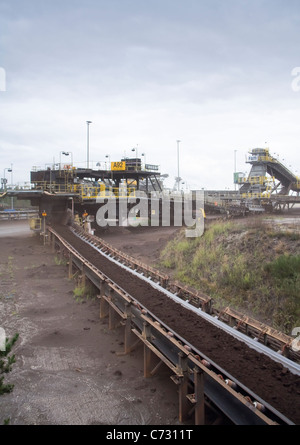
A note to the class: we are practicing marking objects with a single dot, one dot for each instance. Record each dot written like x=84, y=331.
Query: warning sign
x=121, y=165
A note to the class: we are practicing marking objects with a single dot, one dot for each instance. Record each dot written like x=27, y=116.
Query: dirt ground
x=68, y=369
x=139, y=242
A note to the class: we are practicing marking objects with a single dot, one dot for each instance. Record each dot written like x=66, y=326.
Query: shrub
x=284, y=267
x=6, y=362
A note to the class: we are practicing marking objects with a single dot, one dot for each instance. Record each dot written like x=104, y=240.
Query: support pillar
x=127, y=328
x=148, y=356
x=183, y=388
x=61, y=253
x=111, y=313
x=83, y=277
x=52, y=242
x=103, y=303
x=199, y=397
x=103, y=308
x=70, y=274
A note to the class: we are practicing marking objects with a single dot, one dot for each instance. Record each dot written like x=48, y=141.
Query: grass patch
x=84, y=292
x=285, y=273
x=242, y=266
x=285, y=267
x=60, y=261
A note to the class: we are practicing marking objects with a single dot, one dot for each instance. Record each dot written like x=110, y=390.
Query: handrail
x=85, y=191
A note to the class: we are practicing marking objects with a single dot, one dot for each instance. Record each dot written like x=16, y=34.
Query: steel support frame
x=196, y=382
x=263, y=333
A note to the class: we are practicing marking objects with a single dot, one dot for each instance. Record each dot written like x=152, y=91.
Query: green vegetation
x=60, y=261
x=6, y=362
x=245, y=266
x=285, y=274
x=84, y=292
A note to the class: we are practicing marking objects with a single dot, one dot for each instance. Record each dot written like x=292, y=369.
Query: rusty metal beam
x=266, y=334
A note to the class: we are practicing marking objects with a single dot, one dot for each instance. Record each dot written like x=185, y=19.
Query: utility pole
x=88, y=145
x=178, y=178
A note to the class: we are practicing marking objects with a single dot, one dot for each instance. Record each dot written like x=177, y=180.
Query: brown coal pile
x=269, y=380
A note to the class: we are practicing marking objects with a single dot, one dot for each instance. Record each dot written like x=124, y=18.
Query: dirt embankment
x=250, y=265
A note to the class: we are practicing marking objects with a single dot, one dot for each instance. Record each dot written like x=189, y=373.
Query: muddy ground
x=68, y=370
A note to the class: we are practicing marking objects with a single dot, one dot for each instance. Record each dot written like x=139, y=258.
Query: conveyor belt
x=279, y=342
x=274, y=413
x=284, y=361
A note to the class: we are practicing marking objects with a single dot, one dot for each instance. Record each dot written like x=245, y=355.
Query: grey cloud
x=158, y=60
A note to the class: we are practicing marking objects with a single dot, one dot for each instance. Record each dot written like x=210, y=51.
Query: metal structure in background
x=269, y=186
x=258, y=182
x=128, y=173
x=269, y=183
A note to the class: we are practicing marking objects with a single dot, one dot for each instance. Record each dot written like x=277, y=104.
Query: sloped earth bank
x=68, y=370
x=269, y=380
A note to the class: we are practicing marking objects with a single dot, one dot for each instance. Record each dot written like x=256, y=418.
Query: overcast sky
x=214, y=74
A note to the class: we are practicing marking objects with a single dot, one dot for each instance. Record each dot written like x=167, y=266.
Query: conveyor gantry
x=264, y=164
